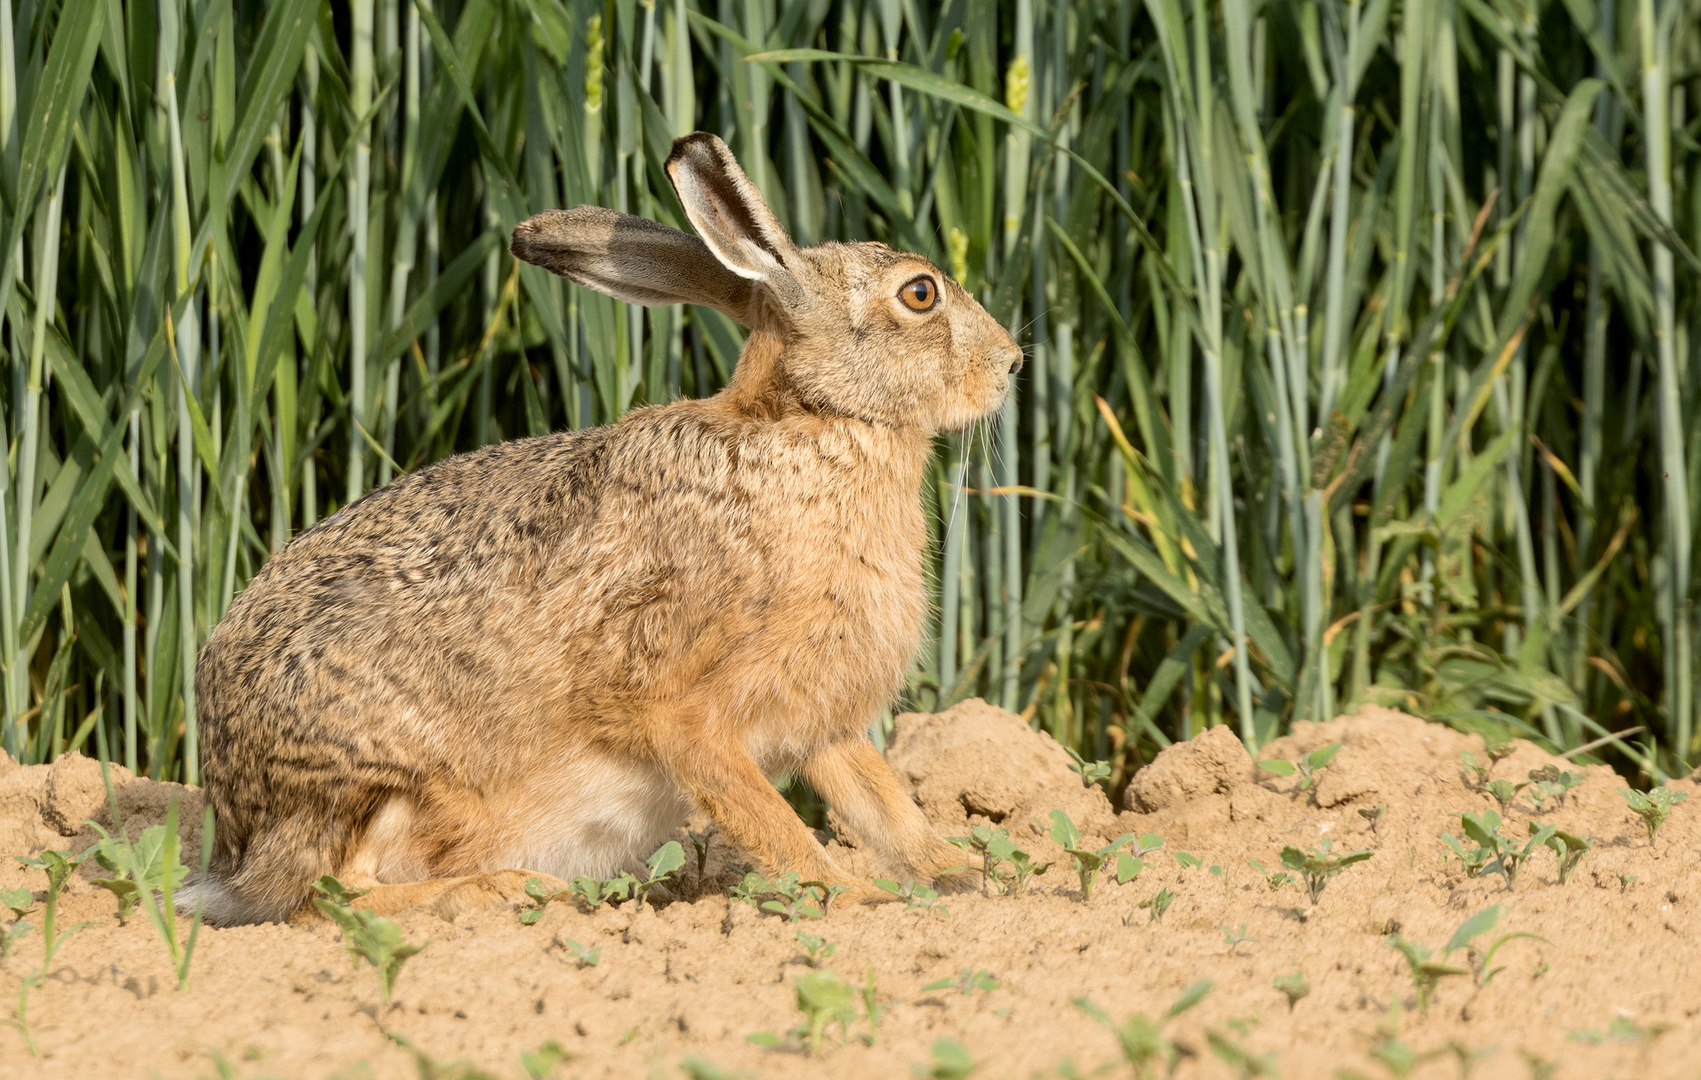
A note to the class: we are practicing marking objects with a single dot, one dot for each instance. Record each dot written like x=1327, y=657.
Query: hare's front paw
x=950, y=868
x=958, y=879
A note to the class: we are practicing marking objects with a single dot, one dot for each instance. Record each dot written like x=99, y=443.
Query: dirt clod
x=1213, y=763
x=977, y=764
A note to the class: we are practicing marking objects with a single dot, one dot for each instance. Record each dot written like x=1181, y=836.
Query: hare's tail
x=220, y=905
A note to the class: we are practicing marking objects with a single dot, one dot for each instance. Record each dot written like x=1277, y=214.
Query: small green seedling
x=1088, y=863
x=1468, y=1057
x=1476, y=772
x=19, y=902
x=787, y=895
x=824, y=999
x=871, y=1007
x=1548, y=782
x=1022, y=865
x=366, y=936
x=818, y=949
x=1090, y=772
x=1187, y=860
x=700, y=845
x=1494, y=850
x=434, y=1068
x=660, y=866
x=1307, y=765
x=965, y=982
x=1273, y=879
x=979, y=842
x=1652, y=807
x=540, y=897
x=1233, y=938
x=1622, y=1029
x=1234, y=1053
x=1140, y=1038
x=1005, y=867
x=793, y=898
x=591, y=893
x=1158, y=904
x=1504, y=791
x=1317, y=865
x=751, y=887
x=1476, y=858
x=1427, y=972
x=950, y=1061
x=338, y=892
x=58, y=866
x=585, y=957
x=913, y=895
x=1625, y=881
x=1568, y=848
x=540, y=1064
x=1373, y=815
x=1293, y=986
x=696, y=1068
x=158, y=872
x=1481, y=959
x=148, y=871
x=1394, y=1053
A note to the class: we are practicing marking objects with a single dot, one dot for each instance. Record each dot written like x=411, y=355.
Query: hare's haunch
x=541, y=656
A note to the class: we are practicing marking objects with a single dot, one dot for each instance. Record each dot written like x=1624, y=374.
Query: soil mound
x=1604, y=989
x=976, y=764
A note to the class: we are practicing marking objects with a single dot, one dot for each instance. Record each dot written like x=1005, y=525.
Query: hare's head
x=856, y=330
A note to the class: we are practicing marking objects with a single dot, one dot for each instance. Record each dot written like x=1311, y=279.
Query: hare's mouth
x=970, y=412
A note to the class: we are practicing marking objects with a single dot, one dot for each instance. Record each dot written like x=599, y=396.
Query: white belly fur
x=605, y=815
x=598, y=817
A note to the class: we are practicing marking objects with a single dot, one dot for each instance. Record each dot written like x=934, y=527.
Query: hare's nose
x=1015, y=356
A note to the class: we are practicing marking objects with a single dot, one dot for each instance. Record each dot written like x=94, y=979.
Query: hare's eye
x=920, y=294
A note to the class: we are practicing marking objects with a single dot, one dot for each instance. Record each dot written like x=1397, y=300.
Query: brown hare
x=537, y=658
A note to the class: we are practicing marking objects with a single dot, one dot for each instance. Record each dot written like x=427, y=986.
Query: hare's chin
x=965, y=414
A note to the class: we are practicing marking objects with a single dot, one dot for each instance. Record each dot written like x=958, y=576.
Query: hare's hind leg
x=393, y=862
x=449, y=897
x=860, y=787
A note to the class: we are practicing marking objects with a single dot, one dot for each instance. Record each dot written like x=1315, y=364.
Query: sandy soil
x=1610, y=992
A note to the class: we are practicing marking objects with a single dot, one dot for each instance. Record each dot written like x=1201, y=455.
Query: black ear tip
x=520, y=240
x=697, y=144
x=526, y=242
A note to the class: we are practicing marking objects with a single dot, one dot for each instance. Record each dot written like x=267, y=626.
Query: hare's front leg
x=725, y=784
x=861, y=788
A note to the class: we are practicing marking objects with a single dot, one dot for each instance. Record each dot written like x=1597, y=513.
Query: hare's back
x=467, y=524
x=398, y=595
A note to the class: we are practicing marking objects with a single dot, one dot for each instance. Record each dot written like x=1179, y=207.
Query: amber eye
x=920, y=294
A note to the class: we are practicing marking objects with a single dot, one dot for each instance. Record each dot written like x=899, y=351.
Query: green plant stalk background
x=1309, y=418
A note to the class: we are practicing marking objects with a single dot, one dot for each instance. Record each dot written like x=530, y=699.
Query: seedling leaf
x=951, y=1061
x=19, y=902
x=1480, y=923
x=1190, y=997
x=1294, y=986
x=1652, y=807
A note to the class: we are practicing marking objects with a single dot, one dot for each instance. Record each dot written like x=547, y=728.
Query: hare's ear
x=728, y=213
x=630, y=258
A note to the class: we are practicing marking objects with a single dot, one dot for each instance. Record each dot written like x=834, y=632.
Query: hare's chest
x=859, y=599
